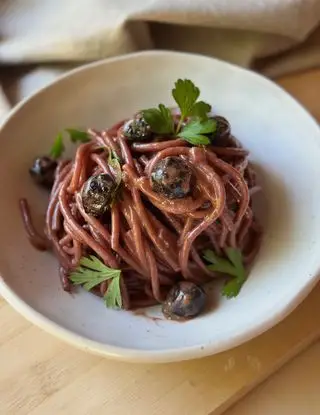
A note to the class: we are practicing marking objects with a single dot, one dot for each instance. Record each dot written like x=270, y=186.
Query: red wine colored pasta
x=156, y=238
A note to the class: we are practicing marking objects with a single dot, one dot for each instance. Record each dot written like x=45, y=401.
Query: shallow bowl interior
x=284, y=142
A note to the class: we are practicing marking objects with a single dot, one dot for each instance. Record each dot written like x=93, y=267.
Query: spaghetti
x=174, y=201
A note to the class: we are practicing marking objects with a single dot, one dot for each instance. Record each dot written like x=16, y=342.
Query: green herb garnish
x=58, y=147
x=159, y=119
x=112, y=297
x=78, y=135
x=186, y=95
x=232, y=265
x=194, y=130
x=92, y=272
x=75, y=136
x=201, y=109
x=114, y=162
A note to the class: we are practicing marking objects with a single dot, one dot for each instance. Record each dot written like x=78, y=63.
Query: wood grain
x=41, y=375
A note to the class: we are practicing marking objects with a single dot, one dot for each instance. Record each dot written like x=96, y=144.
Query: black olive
x=221, y=136
x=43, y=171
x=172, y=177
x=184, y=301
x=137, y=129
x=97, y=194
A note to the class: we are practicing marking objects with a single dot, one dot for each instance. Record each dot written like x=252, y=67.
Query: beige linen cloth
x=39, y=39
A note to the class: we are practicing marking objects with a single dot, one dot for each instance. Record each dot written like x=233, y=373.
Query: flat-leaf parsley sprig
x=115, y=162
x=194, y=132
x=92, y=272
x=232, y=265
x=76, y=136
x=186, y=95
x=160, y=119
x=58, y=147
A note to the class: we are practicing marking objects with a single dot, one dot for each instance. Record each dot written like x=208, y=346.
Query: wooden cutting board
x=40, y=375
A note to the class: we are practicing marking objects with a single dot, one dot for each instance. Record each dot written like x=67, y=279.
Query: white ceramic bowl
x=285, y=146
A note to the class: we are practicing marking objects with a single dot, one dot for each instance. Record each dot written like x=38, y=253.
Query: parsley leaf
x=114, y=162
x=92, y=272
x=58, y=147
x=112, y=297
x=185, y=94
x=232, y=265
x=77, y=135
x=201, y=109
x=194, y=131
x=219, y=264
x=195, y=139
x=160, y=119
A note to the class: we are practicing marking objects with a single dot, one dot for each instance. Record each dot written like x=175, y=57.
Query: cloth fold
x=272, y=36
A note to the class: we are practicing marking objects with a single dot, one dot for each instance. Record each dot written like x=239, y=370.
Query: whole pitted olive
x=43, y=171
x=97, y=194
x=184, y=301
x=137, y=129
x=172, y=177
x=222, y=133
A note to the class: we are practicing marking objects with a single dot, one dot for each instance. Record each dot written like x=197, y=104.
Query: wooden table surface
x=41, y=375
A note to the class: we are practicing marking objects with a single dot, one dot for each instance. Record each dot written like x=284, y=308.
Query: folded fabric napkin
x=41, y=38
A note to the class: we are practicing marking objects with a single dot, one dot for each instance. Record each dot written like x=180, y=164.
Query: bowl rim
x=142, y=355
